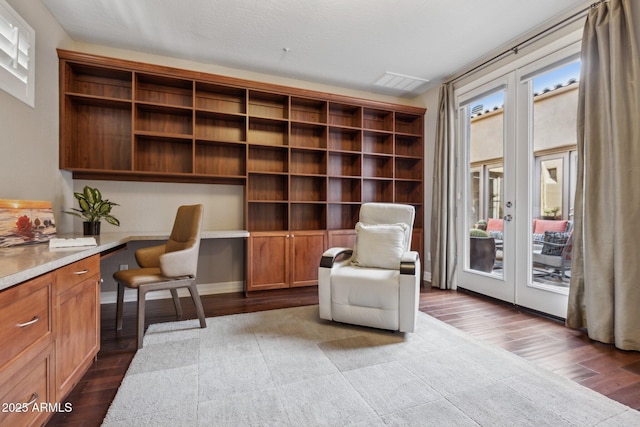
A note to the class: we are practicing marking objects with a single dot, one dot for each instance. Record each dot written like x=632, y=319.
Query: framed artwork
x=24, y=222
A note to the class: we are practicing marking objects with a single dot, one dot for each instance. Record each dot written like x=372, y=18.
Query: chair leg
x=198, y=303
x=119, y=306
x=141, y=299
x=176, y=302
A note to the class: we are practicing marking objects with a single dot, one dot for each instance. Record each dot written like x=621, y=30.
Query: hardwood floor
x=545, y=342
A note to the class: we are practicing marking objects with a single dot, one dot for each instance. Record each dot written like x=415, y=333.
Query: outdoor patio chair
x=554, y=256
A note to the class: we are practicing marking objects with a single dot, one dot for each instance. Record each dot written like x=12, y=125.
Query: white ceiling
x=347, y=43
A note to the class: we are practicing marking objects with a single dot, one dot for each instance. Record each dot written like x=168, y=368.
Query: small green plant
x=552, y=211
x=476, y=232
x=481, y=224
x=93, y=207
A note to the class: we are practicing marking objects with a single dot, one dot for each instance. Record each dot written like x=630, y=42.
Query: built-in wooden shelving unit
x=308, y=159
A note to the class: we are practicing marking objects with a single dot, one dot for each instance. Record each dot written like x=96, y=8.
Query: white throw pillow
x=379, y=246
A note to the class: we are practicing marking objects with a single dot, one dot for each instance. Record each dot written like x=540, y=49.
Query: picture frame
x=24, y=222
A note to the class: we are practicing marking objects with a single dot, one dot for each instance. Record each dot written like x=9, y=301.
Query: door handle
x=507, y=218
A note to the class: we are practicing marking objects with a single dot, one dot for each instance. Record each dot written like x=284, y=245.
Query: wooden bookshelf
x=307, y=159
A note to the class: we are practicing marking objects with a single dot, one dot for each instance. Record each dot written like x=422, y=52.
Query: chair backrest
x=389, y=213
x=186, y=228
x=186, y=235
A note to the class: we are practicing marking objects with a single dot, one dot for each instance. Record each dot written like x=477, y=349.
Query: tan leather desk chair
x=171, y=266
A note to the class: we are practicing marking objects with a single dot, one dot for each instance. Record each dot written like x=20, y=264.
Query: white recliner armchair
x=377, y=283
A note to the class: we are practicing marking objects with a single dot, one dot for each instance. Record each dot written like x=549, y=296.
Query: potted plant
x=482, y=250
x=93, y=208
x=551, y=213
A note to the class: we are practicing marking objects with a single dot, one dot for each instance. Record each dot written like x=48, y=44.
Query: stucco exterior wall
x=554, y=125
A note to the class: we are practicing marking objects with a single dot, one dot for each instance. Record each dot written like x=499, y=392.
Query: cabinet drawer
x=25, y=316
x=69, y=276
x=28, y=387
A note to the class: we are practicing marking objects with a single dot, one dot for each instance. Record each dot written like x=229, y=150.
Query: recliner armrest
x=408, y=263
x=330, y=256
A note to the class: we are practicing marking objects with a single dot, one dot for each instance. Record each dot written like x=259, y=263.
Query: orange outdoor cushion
x=495, y=224
x=542, y=225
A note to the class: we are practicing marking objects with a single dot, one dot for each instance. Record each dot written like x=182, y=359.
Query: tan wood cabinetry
x=49, y=335
x=284, y=259
x=307, y=159
x=77, y=314
x=306, y=250
x=268, y=257
x=26, y=349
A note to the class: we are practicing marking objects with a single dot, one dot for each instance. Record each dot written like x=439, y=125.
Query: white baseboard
x=427, y=276
x=203, y=289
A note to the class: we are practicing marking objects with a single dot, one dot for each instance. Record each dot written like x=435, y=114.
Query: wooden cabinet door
x=306, y=250
x=78, y=332
x=29, y=385
x=342, y=238
x=268, y=261
x=26, y=351
x=25, y=317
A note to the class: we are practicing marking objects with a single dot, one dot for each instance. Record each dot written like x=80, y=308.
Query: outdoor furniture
x=482, y=253
x=554, y=255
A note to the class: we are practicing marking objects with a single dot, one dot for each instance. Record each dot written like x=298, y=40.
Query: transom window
x=17, y=52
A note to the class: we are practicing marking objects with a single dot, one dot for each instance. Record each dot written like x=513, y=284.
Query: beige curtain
x=443, y=239
x=604, y=294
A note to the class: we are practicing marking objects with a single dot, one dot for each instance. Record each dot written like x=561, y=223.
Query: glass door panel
x=547, y=111
x=483, y=139
x=486, y=149
x=554, y=107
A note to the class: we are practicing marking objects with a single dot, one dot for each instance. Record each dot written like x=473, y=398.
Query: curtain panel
x=443, y=238
x=604, y=293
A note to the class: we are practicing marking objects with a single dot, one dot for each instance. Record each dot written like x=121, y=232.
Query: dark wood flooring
x=545, y=342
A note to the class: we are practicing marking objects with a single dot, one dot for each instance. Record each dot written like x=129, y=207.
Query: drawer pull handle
x=34, y=398
x=81, y=272
x=30, y=322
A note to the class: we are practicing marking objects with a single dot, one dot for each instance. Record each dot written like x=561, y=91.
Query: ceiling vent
x=399, y=82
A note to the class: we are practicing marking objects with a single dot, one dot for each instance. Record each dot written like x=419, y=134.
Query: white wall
x=29, y=141
x=151, y=206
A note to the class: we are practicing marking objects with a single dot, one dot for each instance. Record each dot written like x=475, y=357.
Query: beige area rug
x=289, y=368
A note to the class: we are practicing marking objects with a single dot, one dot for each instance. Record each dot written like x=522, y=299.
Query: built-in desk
x=21, y=263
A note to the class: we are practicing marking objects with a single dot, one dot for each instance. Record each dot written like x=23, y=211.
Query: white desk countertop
x=21, y=263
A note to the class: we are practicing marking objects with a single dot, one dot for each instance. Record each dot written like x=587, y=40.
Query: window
x=17, y=52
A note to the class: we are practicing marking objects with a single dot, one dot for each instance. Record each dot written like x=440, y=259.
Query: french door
x=516, y=136
x=485, y=119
